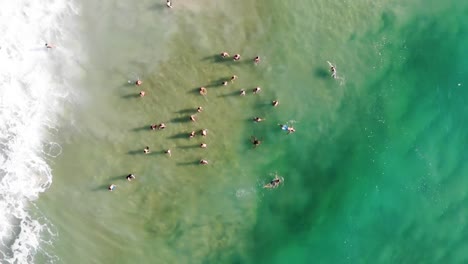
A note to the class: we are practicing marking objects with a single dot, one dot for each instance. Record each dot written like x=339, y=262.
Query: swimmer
x=169, y=4
x=224, y=54
x=291, y=130
x=192, y=118
x=153, y=126
x=204, y=132
x=203, y=162
x=275, y=103
x=138, y=82
x=255, y=141
x=192, y=134
x=256, y=60
x=168, y=152
x=162, y=126
x=242, y=92
x=130, y=177
x=203, y=145
x=256, y=90
x=203, y=91
x=236, y=57
x=142, y=93
x=258, y=119
x=234, y=77
x=332, y=70
x=111, y=187
x=146, y=150
x=284, y=127
x=199, y=109
x=224, y=83
x=47, y=45
x=273, y=183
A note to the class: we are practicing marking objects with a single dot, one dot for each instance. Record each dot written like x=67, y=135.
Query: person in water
x=273, y=183
x=258, y=119
x=162, y=126
x=242, y=92
x=153, y=126
x=47, y=45
x=192, y=118
x=203, y=145
x=257, y=60
x=233, y=78
x=169, y=4
x=275, y=103
x=199, y=109
x=332, y=70
x=224, y=54
x=130, y=177
x=204, y=132
x=290, y=129
x=142, y=93
x=146, y=150
x=111, y=187
x=256, y=90
x=192, y=134
x=203, y=162
x=203, y=91
x=255, y=141
x=168, y=152
x=138, y=82
x=236, y=57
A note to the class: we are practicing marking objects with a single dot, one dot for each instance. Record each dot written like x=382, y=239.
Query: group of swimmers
x=203, y=91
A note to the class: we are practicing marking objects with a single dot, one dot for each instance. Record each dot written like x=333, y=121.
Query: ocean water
x=33, y=90
x=373, y=174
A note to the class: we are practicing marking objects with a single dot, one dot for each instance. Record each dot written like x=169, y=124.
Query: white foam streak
x=31, y=92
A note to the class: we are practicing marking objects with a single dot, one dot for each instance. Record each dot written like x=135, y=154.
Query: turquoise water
x=374, y=173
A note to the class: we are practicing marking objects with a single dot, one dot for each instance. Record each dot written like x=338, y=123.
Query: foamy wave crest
x=33, y=86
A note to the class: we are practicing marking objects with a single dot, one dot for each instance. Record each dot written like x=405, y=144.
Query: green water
x=374, y=173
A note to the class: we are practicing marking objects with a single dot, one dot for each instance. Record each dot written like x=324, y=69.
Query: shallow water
x=371, y=175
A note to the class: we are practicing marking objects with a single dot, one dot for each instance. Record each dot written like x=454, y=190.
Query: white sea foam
x=34, y=83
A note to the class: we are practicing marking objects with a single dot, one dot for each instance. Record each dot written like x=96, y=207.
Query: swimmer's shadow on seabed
x=321, y=73
x=102, y=187
x=180, y=135
x=252, y=121
x=197, y=162
x=189, y=147
x=146, y=127
x=218, y=59
x=130, y=96
x=141, y=152
x=184, y=119
x=187, y=111
x=136, y=152
x=218, y=82
x=195, y=90
x=121, y=177
x=215, y=58
x=235, y=93
x=158, y=6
